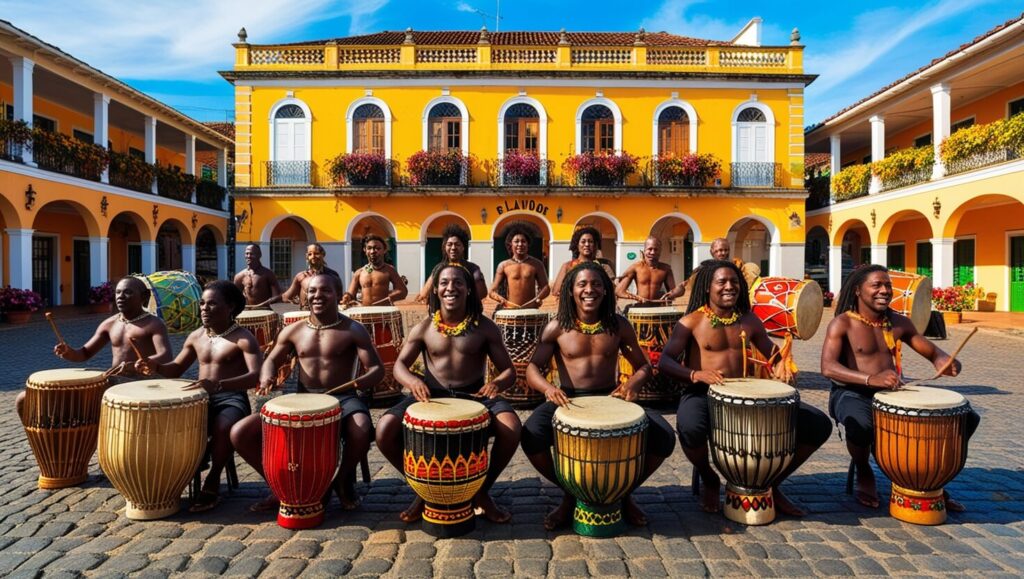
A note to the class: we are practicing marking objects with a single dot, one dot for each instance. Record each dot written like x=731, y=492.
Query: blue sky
x=172, y=49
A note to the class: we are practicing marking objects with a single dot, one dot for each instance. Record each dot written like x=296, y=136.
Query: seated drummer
x=655, y=284
x=257, y=282
x=229, y=364
x=455, y=341
x=585, y=340
x=454, y=244
x=328, y=346
x=130, y=324
x=861, y=355
x=378, y=280
x=316, y=264
x=705, y=348
x=584, y=246
x=522, y=276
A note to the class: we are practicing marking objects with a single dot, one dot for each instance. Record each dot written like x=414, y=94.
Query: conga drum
x=446, y=461
x=921, y=445
x=653, y=328
x=599, y=446
x=753, y=439
x=61, y=417
x=384, y=323
x=300, y=454
x=264, y=324
x=152, y=439
x=289, y=318
x=174, y=297
x=787, y=306
x=520, y=331
x=912, y=297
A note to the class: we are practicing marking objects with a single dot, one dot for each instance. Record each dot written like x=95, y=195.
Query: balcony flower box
x=360, y=170
x=173, y=183
x=519, y=168
x=14, y=136
x=982, y=145
x=591, y=170
x=209, y=194
x=686, y=170
x=131, y=172
x=438, y=168
x=852, y=182
x=58, y=152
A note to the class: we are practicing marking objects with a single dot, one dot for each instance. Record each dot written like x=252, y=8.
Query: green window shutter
x=924, y=258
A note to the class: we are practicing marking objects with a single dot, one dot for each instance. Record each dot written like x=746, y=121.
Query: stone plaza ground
x=82, y=531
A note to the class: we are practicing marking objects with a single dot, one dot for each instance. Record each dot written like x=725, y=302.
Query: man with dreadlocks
x=454, y=244
x=584, y=245
x=455, y=341
x=523, y=275
x=861, y=355
x=708, y=345
x=585, y=340
x=315, y=265
x=378, y=280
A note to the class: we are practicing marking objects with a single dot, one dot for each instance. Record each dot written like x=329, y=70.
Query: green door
x=1017, y=274
x=924, y=258
x=963, y=261
x=433, y=256
x=896, y=257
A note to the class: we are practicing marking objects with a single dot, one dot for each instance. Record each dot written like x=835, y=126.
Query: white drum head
x=254, y=316
x=370, y=310
x=66, y=377
x=658, y=312
x=290, y=317
x=299, y=404
x=520, y=313
x=597, y=412
x=755, y=388
x=166, y=390
x=920, y=398
x=441, y=409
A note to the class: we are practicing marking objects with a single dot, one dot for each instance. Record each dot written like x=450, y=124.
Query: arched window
x=445, y=127
x=522, y=128
x=751, y=136
x=753, y=146
x=673, y=132
x=368, y=129
x=597, y=130
x=290, y=141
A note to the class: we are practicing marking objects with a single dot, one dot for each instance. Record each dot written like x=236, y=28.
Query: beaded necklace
x=212, y=336
x=890, y=340
x=716, y=320
x=319, y=327
x=590, y=329
x=451, y=331
x=126, y=321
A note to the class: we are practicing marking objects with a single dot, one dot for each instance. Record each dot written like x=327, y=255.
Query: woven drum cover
x=920, y=398
x=299, y=404
x=597, y=412
x=755, y=388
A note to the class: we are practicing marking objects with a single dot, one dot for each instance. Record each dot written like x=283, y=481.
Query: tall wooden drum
x=912, y=297
x=61, y=417
x=787, y=306
x=599, y=446
x=384, y=323
x=753, y=440
x=152, y=438
x=289, y=318
x=446, y=461
x=921, y=445
x=264, y=324
x=520, y=331
x=653, y=329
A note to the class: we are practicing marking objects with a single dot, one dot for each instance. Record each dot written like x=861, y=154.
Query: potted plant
x=18, y=304
x=687, y=170
x=952, y=301
x=599, y=170
x=826, y=299
x=445, y=168
x=359, y=169
x=100, y=298
x=518, y=168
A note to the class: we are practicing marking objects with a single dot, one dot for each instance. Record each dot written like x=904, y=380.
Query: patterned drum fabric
x=175, y=298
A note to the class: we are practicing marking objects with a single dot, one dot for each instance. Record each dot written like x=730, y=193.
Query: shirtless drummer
x=258, y=283
x=377, y=283
x=524, y=275
x=655, y=284
x=316, y=264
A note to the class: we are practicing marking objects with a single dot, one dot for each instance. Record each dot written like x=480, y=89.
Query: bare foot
x=486, y=505
x=711, y=486
x=634, y=514
x=269, y=503
x=866, y=493
x=953, y=505
x=347, y=496
x=414, y=512
x=785, y=506
x=560, y=516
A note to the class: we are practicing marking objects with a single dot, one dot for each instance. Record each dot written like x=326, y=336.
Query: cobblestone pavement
x=83, y=531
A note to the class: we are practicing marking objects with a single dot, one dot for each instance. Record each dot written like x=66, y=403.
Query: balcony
x=518, y=169
x=439, y=168
x=361, y=170
x=686, y=171
x=63, y=154
x=292, y=174
x=756, y=174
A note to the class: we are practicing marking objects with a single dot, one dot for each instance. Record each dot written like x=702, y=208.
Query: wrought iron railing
x=979, y=160
x=291, y=174
x=382, y=175
x=210, y=194
x=907, y=178
x=756, y=174
x=437, y=177
x=666, y=172
x=11, y=150
x=515, y=178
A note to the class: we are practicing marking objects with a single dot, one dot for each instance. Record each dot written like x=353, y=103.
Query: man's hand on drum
x=209, y=385
x=708, y=377
x=265, y=388
x=952, y=370
x=489, y=390
x=887, y=379
x=625, y=393
x=420, y=391
x=145, y=367
x=557, y=396
x=782, y=372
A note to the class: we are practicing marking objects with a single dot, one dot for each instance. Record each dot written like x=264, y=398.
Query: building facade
x=401, y=133
x=98, y=180
x=926, y=174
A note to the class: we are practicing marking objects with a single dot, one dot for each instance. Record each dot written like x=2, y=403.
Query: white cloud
x=170, y=39
x=672, y=17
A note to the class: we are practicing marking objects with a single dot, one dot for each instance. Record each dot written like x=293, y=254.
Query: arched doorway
x=372, y=225
x=751, y=240
x=206, y=254
x=609, y=230
x=907, y=237
x=62, y=229
x=676, y=235
x=816, y=256
x=126, y=232
x=433, y=242
x=539, y=235
x=288, y=241
x=855, y=243
x=169, y=240
x=988, y=248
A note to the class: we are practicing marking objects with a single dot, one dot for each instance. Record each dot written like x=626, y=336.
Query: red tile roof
x=521, y=38
x=226, y=129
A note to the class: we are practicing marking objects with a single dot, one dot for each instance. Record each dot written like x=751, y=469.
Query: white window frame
x=350, y=123
x=616, y=114
x=690, y=112
x=542, y=143
x=463, y=137
x=769, y=121
x=309, y=126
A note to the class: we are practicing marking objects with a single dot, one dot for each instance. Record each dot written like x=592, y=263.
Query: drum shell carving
x=653, y=328
x=520, y=332
x=384, y=323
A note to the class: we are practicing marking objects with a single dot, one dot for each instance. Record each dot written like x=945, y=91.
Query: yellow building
x=96, y=178
x=490, y=104
x=955, y=215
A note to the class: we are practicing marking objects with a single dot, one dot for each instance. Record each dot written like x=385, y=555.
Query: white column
x=880, y=255
x=150, y=144
x=481, y=252
x=942, y=261
x=408, y=254
x=190, y=159
x=343, y=261
x=19, y=256
x=877, y=148
x=188, y=257
x=558, y=253
x=791, y=260
x=23, y=91
x=623, y=249
x=148, y=256
x=835, y=147
x=701, y=252
x=835, y=269
x=775, y=259
x=940, y=125
x=222, y=167
x=222, y=261
x=101, y=126
x=98, y=256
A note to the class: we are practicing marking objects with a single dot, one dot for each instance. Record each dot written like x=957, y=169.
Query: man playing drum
x=524, y=275
x=455, y=341
x=708, y=346
x=861, y=355
x=378, y=281
x=328, y=347
x=454, y=244
x=315, y=265
x=585, y=340
x=655, y=284
x=584, y=245
x=258, y=283
x=229, y=364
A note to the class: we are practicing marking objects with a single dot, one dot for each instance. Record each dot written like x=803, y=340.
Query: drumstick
x=387, y=299
x=344, y=386
x=115, y=370
x=53, y=324
x=135, y=348
x=949, y=362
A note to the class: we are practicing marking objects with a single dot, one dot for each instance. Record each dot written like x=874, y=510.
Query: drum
x=289, y=318
x=61, y=417
x=152, y=439
x=753, y=439
x=921, y=445
x=599, y=445
x=520, y=331
x=787, y=306
x=300, y=454
x=385, y=326
x=264, y=324
x=912, y=297
x=653, y=329
x=446, y=461
x=174, y=297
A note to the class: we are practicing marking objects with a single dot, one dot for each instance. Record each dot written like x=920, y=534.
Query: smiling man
x=315, y=265
x=522, y=276
x=584, y=246
x=377, y=283
x=454, y=244
x=258, y=283
x=655, y=284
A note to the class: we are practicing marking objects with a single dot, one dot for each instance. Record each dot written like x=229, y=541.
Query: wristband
x=692, y=372
x=866, y=378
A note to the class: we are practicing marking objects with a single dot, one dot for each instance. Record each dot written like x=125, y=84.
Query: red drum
x=289, y=318
x=384, y=323
x=912, y=297
x=300, y=454
x=787, y=306
x=264, y=324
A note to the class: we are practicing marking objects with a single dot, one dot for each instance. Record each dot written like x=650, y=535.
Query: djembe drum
x=289, y=318
x=300, y=454
x=264, y=324
x=912, y=297
x=174, y=297
x=152, y=439
x=520, y=331
x=599, y=446
x=384, y=323
x=653, y=329
x=787, y=306
x=921, y=445
x=753, y=439
x=61, y=415
x=446, y=461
